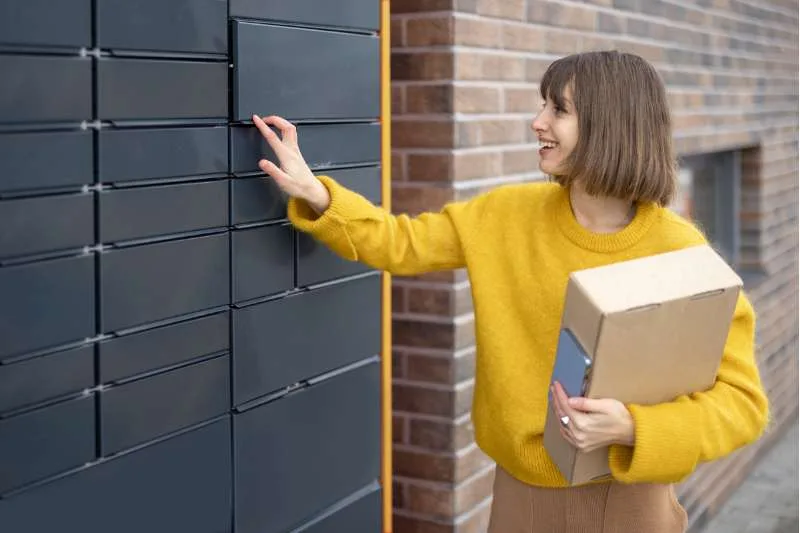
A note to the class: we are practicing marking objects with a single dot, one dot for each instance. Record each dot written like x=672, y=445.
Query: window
x=709, y=188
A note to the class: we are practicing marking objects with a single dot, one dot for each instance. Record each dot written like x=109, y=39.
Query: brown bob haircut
x=624, y=147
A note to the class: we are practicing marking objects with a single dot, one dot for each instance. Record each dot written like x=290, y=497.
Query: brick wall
x=465, y=76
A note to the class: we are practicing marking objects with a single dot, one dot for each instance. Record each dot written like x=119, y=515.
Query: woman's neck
x=600, y=214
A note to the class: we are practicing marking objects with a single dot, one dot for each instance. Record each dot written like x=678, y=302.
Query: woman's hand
x=293, y=176
x=592, y=424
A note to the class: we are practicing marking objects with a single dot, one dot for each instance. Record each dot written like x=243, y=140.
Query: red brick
x=468, y=99
x=478, y=32
x=430, y=31
x=422, y=133
x=428, y=98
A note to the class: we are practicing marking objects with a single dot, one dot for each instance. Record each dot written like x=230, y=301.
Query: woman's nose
x=538, y=125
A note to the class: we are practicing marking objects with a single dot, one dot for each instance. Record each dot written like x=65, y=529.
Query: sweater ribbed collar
x=646, y=214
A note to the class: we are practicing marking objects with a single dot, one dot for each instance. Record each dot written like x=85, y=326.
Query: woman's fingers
x=287, y=129
x=283, y=179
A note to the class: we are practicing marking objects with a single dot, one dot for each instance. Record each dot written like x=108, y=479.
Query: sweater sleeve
x=357, y=230
x=672, y=438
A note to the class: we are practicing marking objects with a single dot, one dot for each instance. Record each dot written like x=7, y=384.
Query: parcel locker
x=42, y=378
x=66, y=23
x=45, y=89
x=348, y=64
x=281, y=342
x=144, y=212
x=316, y=263
x=149, y=89
x=363, y=514
x=256, y=199
x=135, y=412
x=263, y=261
x=181, y=484
x=324, y=146
x=161, y=153
x=154, y=282
x=46, y=224
x=45, y=442
x=356, y=14
x=26, y=160
x=328, y=440
x=198, y=26
x=46, y=304
x=129, y=355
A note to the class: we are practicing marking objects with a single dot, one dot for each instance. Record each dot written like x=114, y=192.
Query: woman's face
x=557, y=131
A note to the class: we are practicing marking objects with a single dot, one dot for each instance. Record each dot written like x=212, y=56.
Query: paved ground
x=767, y=502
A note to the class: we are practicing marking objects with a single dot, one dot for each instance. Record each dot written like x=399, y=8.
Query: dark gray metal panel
x=129, y=355
x=267, y=81
x=148, y=408
x=316, y=263
x=364, y=514
x=45, y=224
x=357, y=14
x=180, y=485
x=34, y=380
x=26, y=160
x=159, y=281
x=45, y=89
x=137, y=89
x=176, y=25
x=46, y=23
x=323, y=146
x=334, y=452
x=365, y=181
x=45, y=442
x=263, y=261
x=256, y=199
x=340, y=325
x=143, y=154
x=46, y=304
x=151, y=211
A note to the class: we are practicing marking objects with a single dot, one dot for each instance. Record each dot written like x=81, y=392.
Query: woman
x=605, y=139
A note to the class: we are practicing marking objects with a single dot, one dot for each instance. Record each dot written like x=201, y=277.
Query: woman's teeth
x=547, y=145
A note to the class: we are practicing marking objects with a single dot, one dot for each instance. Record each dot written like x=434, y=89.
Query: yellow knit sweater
x=519, y=243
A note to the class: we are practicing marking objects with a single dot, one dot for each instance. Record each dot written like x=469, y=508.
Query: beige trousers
x=599, y=508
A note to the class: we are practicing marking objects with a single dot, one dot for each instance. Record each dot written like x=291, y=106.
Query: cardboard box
x=654, y=328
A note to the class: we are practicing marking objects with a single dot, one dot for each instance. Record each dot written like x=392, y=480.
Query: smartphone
x=573, y=367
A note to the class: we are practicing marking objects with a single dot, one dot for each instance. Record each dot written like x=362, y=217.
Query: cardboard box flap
x=663, y=277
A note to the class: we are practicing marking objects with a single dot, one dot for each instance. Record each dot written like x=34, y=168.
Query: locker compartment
x=142, y=410
x=263, y=261
x=126, y=356
x=26, y=160
x=45, y=442
x=365, y=181
x=145, y=154
x=352, y=14
x=46, y=23
x=329, y=76
x=323, y=146
x=158, y=281
x=33, y=380
x=52, y=223
x=281, y=342
x=139, y=89
x=256, y=199
x=316, y=263
x=333, y=453
x=155, y=25
x=152, y=211
x=45, y=89
x=180, y=485
x=364, y=514
x=46, y=304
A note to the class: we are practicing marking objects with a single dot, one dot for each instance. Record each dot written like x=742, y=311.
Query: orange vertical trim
x=386, y=307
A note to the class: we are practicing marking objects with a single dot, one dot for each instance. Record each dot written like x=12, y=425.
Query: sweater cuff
x=664, y=449
x=331, y=226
